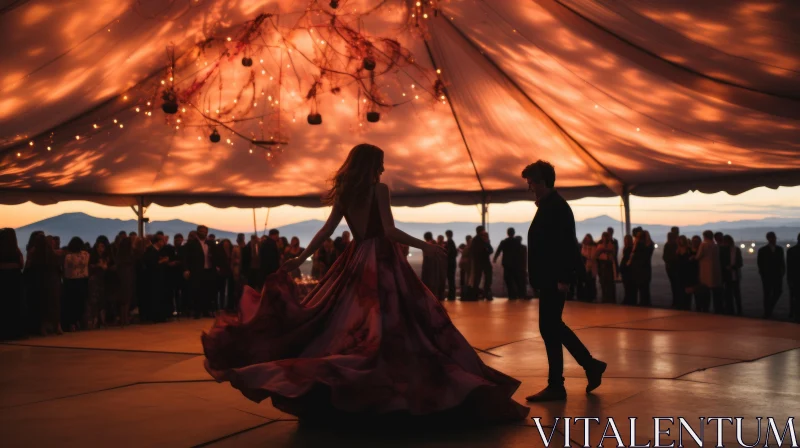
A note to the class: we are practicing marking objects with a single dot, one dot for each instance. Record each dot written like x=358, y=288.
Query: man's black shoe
x=549, y=393
x=595, y=375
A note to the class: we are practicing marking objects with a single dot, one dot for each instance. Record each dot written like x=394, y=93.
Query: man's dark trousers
x=556, y=333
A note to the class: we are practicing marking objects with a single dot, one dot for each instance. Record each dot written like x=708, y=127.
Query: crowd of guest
x=82, y=286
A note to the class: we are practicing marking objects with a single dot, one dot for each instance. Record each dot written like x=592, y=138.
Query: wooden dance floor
x=145, y=386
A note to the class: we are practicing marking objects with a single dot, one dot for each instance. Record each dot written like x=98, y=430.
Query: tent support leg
x=140, y=217
x=484, y=209
x=626, y=202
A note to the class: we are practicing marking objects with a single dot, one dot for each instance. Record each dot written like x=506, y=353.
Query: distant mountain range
x=88, y=228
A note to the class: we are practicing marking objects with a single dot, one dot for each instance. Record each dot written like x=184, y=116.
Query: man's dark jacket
x=553, y=255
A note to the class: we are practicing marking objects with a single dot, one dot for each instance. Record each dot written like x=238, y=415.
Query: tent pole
x=626, y=203
x=140, y=217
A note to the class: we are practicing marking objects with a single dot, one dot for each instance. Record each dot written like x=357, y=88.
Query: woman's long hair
x=359, y=171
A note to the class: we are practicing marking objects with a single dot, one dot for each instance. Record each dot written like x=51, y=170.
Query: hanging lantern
x=247, y=62
x=334, y=4
x=170, y=105
x=214, y=137
x=373, y=117
x=314, y=119
x=369, y=63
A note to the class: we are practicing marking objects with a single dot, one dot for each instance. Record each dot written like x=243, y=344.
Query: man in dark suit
x=480, y=252
x=510, y=249
x=270, y=257
x=452, y=254
x=553, y=263
x=155, y=262
x=771, y=267
x=199, y=273
x=251, y=263
x=793, y=278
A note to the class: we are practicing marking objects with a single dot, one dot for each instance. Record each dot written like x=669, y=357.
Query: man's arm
x=499, y=250
x=567, y=245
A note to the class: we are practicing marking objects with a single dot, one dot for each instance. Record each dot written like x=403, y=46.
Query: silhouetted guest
x=480, y=255
x=670, y=257
x=175, y=269
x=641, y=265
x=793, y=278
x=699, y=291
x=731, y=276
x=465, y=266
x=157, y=264
x=676, y=231
x=606, y=268
x=239, y=279
x=510, y=248
x=628, y=283
x=99, y=263
x=323, y=259
x=270, y=254
x=615, y=242
x=223, y=259
x=718, y=294
x=431, y=273
x=283, y=248
x=523, y=264
x=12, y=305
x=771, y=267
x=452, y=256
x=709, y=271
x=686, y=272
x=293, y=251
x=587, y=279
x=553, y=263
x=76, y=285
x=199, y=273
x=340, y=243
x=42, y=277
x=125, y=264
x=251, y=263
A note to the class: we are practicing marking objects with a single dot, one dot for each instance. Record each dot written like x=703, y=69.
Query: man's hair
x=511, y=231
x=770, y=234
x=449, y=233
x=719, y=235
x=428, y=236
x=160, y=232
x=708, y=234
x=610, y=231
x=675, y=229
x=202, y=227
x=178, y=235
x=479, y=229
x=541, y=171
x=274, y=232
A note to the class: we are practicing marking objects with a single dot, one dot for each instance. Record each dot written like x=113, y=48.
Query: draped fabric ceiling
x=653, y=97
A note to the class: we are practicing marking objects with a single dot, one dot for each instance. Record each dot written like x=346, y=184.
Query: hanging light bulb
x=314, y=119
x=214, y=137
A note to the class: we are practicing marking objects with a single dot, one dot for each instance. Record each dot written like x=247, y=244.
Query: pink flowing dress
x=370, y=340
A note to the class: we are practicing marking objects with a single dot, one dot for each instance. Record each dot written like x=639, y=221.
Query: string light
x=120, y=125
x=77, y=137
x=125, y=97
x=637, y=129
x=137, y=109
x=48, y=148
x=95, y=126
x=30, y=143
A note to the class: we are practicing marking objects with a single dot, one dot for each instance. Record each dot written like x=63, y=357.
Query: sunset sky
x=686, y=209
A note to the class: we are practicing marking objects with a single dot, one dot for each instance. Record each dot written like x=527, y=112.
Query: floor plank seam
x=138, y=383
x=739, y=362
x=512, y=342
x=219, y=439
x=127, y=350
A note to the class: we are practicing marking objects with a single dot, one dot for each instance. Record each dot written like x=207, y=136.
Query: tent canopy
x=650, y=97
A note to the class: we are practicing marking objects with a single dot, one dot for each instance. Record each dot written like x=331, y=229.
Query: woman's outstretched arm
x=324, y=233
x=385, y=208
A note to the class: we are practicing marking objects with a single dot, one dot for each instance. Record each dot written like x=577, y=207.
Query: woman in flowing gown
x=369, y=342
